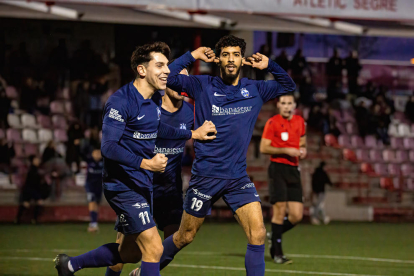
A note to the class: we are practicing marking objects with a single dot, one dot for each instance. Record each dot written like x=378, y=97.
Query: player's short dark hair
x=142, y=54
x=288, y=94
x=230, y=41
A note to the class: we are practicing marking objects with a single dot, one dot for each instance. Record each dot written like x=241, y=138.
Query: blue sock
x=254, y=262
x=150, y=269
x=106, y=255
x=94, y=216
x=169, y=252
x=110, y=272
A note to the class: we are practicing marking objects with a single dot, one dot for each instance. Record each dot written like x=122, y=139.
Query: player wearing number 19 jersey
x=219, y=169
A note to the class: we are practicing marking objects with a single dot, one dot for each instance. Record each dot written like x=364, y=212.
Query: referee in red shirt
x=284, y=139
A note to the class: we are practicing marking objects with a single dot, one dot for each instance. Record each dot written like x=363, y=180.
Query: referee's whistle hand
x=292, y=152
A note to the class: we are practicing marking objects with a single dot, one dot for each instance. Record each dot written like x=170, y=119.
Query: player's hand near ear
x=257, y=60
x=205, y=54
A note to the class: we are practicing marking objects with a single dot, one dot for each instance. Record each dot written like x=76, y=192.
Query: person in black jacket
x=319, y=179
x=34, y=189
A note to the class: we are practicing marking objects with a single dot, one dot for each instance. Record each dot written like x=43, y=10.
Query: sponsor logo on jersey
x=140, y=205
x=142, y=136
x=167, y=151
x=247, y=186
x=140, y=117
x=217, y=111
x=197, y=193
x=218, y=95
x=245, y=93
x=183, y=126
x=122, y=218
x=114, y=114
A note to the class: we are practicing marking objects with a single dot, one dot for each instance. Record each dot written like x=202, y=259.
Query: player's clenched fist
x=205, y=54
x=257, y=60
x=156, y=164
x=206, y=132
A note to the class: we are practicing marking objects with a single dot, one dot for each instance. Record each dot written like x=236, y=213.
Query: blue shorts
x=93, y=192
x=133, y=209
x=168, y=205
x=204, y=191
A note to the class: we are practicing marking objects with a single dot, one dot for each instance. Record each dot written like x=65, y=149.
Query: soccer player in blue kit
x=168, y=188
x=219, y=169
x=93, y=187
x=131, y=124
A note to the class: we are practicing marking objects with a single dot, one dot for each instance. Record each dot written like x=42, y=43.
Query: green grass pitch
x=340, y=249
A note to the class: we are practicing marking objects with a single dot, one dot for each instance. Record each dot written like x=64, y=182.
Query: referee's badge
x=285, y=136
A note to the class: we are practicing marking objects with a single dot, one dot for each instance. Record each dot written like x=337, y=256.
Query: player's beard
x=229, y=78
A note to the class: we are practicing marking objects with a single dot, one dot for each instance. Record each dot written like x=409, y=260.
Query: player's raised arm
x=282, y=84
x=189, y=84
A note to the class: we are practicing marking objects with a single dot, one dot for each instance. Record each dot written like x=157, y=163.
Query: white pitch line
x=212, y=267
x=351, y=258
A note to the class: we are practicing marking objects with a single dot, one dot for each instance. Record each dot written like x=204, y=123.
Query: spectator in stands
x=316, y=119
x=381, y=120
x=84, y=62
x=90, y=142
x=19, y=65
x=283, y=60
x=59, y=61
x=6, y=154
x=409, y=109
x=297, y=65
x=353, y=68
x=265, y=50
x=73, y=152
x=96, y=90
x=307, y=91
x=319, y=179
x=363, y=118
x=29, y=95
x=80, y=101
x=35, y=188
x=5, y=104
x=369, y=91
x=334, y=73
x=332, y=121
x=50, y=152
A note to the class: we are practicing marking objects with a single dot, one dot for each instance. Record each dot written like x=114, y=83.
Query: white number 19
x=197, y=204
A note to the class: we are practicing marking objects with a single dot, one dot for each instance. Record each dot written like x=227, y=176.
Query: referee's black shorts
x=284, y=183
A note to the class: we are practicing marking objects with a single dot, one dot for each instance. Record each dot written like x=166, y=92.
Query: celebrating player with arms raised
x=219, y=170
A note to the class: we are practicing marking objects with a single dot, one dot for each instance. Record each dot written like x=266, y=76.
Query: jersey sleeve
x=268, y=132
x=115, y=112
x=168, y=132
x=281, y=85
x=191, y=85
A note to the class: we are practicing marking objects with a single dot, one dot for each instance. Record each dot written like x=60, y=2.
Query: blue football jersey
x=233, y=110
x=183, y=118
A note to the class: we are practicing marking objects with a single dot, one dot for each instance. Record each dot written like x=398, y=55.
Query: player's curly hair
x=142, y=54
x=230, y=41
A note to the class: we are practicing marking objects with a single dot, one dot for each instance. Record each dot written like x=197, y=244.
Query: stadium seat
x=411, y=155
x=349, y=155
x=2, y=134
x=29, y=135
x=380, y=169
x=330, y=140
x=30, y=149
x=306, y=112
x=45, y=135
x=60, y=135
x=61, y=149
x=387, y=183
x=370, y=141
x=344, y=141
x=13, y=135
x=11, y=92
x=401, y=156
x=399, y=116
x=44, y=121
x=409, y=184
x=389, y=156
x=367, y=168
x=403, y=130
x=397, y=143
x=408, y=143
x=341, y=127
x=407, y=169
x=68, y=107
x=14, y=120
x=29, y=121
x=375, y=155
x=57, y=107
x=348, y=116
x=356, y=142
x=362, y=155
x=351, y=128
x=59, y=122
x=394, y=169
x=393, y=130
x=18, y=149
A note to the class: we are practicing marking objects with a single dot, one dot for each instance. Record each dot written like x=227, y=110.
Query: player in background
x=131, y=124
x=93, y=187
x=219, y=169
x=284, y=139
x=168, y=186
